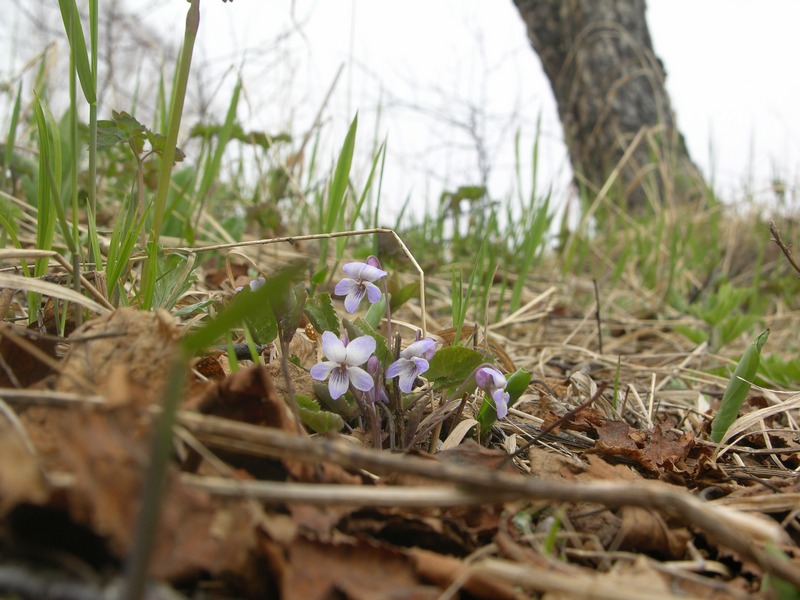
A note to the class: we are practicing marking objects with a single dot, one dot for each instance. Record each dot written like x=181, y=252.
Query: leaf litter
x=579, y=493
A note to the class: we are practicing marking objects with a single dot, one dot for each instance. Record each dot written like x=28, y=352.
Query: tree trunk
x=612, y=102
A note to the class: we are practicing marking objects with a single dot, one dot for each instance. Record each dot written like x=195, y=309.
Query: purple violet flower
x=343, y=364
x=493, y=383
x=413, y=362
x=377, y=393
x=359, y=284
x=253, y=285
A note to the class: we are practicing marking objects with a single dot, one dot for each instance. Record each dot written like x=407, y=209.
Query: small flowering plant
x=412, y=363
x=343, y=367
x=359, y=284
x=358, y=363
x=358, y=366
x=494, y=383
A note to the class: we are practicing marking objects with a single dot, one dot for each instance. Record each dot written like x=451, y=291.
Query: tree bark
x=612, y=102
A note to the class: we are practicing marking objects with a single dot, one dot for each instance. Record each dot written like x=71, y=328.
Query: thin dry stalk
x=730, y=528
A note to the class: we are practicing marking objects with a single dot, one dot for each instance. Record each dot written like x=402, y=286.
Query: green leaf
x=77, y=43
x=241, y=306
x=319, y=277
x=262, y=323
x=321, y=313
x=158, y=142
x=288, y=311
x=452, y=366
x=11, y=140
x=343, y=405
x=341, y=176
x=516, y=385
x=190, y=309
x=175, y=276
x=738, y=388
x=398, y=297
x=376, y=312
x=321, y=421
x=694, y=335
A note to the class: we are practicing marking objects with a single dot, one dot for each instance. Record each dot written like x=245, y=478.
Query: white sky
x=419, y=70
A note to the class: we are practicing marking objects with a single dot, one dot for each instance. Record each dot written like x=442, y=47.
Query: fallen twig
x=733, y=529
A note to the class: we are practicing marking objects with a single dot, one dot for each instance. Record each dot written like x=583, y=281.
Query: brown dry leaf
x=21, y=479
x=361, y=570
x=638, y=574
x=215, y=276
x=445, y=570
x=138, y=343
x=209, y=367
x=472, y=454
x=634, y=529
x=407, y=528
x=106, y=451
x=656, y=451
x=18, y=367
x=249, y=395
x=646, y=531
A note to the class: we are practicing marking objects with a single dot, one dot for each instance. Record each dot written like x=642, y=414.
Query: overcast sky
x=442, y=79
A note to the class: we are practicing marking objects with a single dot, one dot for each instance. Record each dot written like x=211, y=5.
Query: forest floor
x=574, y=496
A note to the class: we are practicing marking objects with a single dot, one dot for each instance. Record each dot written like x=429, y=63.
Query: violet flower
x=493, y=383
x=413, y=362
x=253, y=285
x=377, y=393
x=359, y=284
x=343, y=364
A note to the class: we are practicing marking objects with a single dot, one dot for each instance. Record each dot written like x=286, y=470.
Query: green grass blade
x=49, y=164
x=341, y=177
x=168, y=155
x=212, y=165
x=738, y=388
x=11, y=138
x=243, y=304
x=77, y=44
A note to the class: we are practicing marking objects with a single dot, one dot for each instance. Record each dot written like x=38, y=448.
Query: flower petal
x=483, y=379
x=373, y=292
x=359, y=350
x=257, y=283
x=424, y=348
x=320, y=371
x=354, y=298
x=333, y=348
x=499, y=379
x=501, y=402
x=489, y=379
x=360, y=379
x=354, y=269
x=420, y=365
x=407, y=379
x=381, y=395
x=396, y=368
x=339, y=382
x=345, y=286
x=363, y=272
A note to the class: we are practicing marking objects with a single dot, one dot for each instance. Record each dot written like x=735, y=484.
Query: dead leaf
x=360, y=570
x=646, y=531
x=20, y=368
x=141, y=342
x=21, y=479
x=106, y=451
x=445, y=570
x=249, y=395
